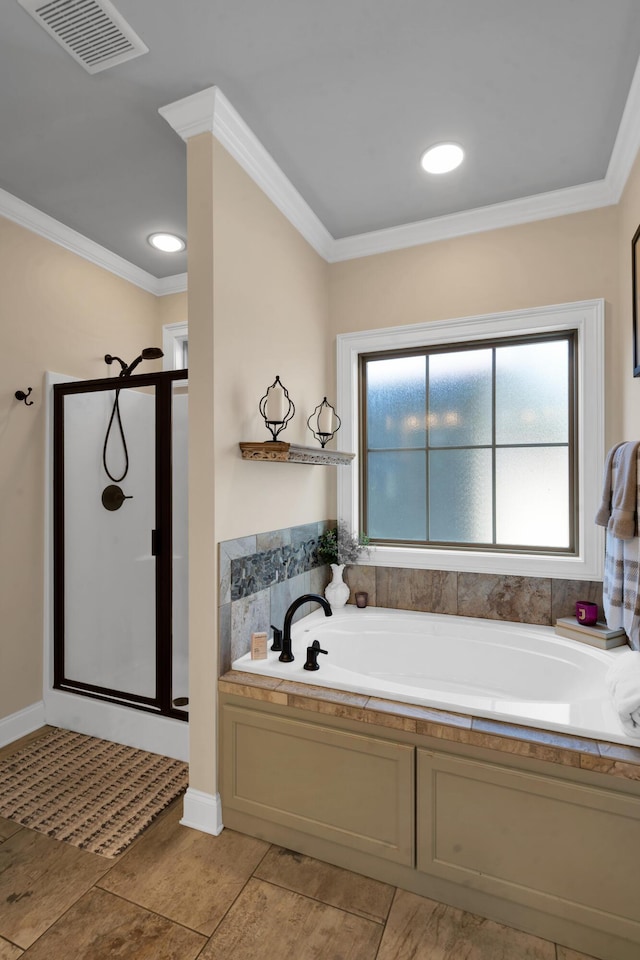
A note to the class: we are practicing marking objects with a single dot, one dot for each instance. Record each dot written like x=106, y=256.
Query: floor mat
x=92, y=793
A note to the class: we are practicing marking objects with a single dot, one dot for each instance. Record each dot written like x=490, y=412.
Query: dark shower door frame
x=162, y=539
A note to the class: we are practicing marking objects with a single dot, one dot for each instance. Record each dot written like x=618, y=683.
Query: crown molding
x=542, y=206
x=194, y=114
x=627, y=143
x=167, y=285
x=45, y=226
x=210, y=111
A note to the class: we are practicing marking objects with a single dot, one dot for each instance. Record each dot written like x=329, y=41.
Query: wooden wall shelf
x=280, y=452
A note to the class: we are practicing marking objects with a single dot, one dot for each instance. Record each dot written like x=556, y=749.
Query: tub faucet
x=286, y=656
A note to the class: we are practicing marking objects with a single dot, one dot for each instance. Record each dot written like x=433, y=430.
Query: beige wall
x=203, y=624
x=59, y=313
x=629, y=218
x=171, y=308
x=270, y=317
x=257, y=307
x=261, y=302
x=552, y=261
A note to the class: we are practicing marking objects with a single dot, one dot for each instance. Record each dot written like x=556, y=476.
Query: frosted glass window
x=471, y=445
x=532, y=393
x=532, y=496
x=397, y=503
x=460, y=490
x=396, y=407
x=460, y=398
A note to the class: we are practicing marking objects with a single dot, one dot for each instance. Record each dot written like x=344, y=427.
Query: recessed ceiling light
x=167, y=242
x=442, y=158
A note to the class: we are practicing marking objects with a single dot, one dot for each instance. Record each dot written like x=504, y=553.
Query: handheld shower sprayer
x=149, y=353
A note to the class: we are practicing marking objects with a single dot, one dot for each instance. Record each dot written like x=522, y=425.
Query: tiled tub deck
x=613, y=759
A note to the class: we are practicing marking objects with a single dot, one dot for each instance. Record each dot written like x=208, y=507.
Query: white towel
x=623, y=680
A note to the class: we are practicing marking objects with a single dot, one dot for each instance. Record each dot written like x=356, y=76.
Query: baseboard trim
x=202, y=811
x=120, y=724
x=21, y=723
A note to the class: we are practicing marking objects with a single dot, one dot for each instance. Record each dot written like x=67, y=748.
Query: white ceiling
x=344, y=94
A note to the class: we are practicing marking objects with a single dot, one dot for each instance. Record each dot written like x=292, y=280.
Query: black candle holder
x=319, y=418
x=273, y=424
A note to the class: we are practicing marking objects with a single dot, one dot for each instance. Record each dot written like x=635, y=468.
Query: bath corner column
x=192, y=118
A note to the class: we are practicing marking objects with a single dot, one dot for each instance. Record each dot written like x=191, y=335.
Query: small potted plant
x=339, y=547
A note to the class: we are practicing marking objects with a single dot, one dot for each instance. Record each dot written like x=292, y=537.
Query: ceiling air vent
x=92, y=31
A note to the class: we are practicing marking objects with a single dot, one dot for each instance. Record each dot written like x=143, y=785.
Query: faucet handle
x=277, y=638
x=312, y=656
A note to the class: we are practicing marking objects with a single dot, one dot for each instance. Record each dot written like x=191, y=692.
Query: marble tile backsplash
x=260, y=575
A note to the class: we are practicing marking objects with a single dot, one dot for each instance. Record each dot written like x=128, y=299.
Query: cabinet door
x=354, y=790
x=562, y=847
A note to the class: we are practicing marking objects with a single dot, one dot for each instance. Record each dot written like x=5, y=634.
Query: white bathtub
x=508, y=671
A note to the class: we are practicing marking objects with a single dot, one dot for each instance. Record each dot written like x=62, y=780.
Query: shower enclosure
x=120, y=578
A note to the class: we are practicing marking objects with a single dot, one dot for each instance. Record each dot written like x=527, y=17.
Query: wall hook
x=21, y=395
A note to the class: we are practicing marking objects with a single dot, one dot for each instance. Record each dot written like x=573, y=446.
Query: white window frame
x=587, y=318
x=173, y=336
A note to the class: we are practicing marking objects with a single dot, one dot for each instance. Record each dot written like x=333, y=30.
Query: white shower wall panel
x=110, y=632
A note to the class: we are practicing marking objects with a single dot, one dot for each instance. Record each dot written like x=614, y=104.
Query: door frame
x=162, y=382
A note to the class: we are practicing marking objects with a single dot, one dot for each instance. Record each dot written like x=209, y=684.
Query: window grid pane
x=532, y=495
x=532, y=393
x=462, y=493
x=397, y=507
x=459, y=489
x=460, y=398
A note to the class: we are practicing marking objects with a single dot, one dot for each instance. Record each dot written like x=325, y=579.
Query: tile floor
x=177, y=894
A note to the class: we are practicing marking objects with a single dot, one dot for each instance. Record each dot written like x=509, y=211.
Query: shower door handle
x=155, y=543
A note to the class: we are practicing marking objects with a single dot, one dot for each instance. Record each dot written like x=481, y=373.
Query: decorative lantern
x=277, y=408
x=324, y=422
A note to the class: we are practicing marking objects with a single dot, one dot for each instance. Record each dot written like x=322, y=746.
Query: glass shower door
x=106, y=545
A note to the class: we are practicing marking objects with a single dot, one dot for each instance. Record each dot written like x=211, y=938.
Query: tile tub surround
x=539, y=600
x=260, y=576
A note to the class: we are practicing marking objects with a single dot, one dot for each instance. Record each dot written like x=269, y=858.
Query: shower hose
x=115, y=413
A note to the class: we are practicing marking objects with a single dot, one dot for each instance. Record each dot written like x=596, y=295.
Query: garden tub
x=514, y=672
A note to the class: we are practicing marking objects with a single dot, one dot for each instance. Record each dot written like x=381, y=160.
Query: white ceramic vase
x=337, y=591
